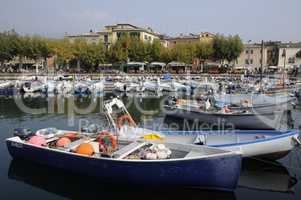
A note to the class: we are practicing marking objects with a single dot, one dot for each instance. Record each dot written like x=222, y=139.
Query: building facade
x=112, y=33
x=289, y=55
x=273, y=55
x=251, y=57
x=188, y=39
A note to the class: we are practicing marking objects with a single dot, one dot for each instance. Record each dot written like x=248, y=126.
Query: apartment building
x=111, y=33
x=188, y=39
x=273, y=55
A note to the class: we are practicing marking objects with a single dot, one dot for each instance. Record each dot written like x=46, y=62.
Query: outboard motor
x=23, y=133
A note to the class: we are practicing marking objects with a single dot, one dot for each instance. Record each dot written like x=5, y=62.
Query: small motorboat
x=7, y=87
x=152, y=86
x=255, y=100
x=234, y=119
x=6, y=84
x=34, y=86
x=268, y=144
x=64, y=87
x=97, y=87
x=51, y=87
x=196, y=166
x=143, y=161
x=82, y=88
x=126, y=86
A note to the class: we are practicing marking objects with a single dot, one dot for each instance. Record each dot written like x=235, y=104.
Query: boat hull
x=252, y=121
x=271, y=148
x=217, y=173
x=277, y=146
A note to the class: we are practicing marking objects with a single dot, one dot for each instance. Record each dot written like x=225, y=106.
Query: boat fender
x=125, y=118
x=85, y=149
x=37, y=140
x=64, y=141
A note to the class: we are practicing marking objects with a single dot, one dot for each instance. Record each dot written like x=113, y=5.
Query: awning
x=154, y=64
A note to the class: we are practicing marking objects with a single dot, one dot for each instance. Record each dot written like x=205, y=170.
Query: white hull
x=276, y=146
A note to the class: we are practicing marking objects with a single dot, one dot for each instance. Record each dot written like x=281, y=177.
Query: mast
x=261, y=65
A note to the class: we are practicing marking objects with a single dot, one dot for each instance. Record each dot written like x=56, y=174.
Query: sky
x=254, y=20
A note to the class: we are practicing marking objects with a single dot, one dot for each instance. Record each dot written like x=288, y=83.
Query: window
x=251, y=61
x=145, y=37
x=106, y=38
x=251, y=51
x=246, y=61
x=291, y=60
x=247, y=51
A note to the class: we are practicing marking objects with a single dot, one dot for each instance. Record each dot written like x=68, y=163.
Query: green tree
x=235, y=47
x=93, y=55
x=227, y=48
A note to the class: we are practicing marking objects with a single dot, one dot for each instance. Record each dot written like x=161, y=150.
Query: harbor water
x=25, y=180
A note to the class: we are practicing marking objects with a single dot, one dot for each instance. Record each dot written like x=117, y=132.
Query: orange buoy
x=85, y=149
x=63, y=142
x=125, y=118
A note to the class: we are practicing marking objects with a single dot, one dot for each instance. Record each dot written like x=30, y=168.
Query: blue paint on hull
x=218, y=173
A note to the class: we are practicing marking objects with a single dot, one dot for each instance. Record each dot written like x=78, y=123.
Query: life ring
x=121, y=120
x=107, y=142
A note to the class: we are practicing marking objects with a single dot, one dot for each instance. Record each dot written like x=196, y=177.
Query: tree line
x=90, y=55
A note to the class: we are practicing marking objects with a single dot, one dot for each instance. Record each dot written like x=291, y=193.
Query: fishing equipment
x=63, y=142
x=37, y=140
x=107, y=142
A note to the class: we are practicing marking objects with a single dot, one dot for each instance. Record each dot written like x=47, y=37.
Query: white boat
x=51, y=87
x=64, y=87
x=180, y=87
x=34, y=86
x=269, y=144
x=97, y=87
x=126, y=86
x=152, y=86
x=6, y=84
x=82, y=88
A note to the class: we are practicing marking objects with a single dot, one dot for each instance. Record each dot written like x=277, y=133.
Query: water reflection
x=74, y=186
x=266, y=176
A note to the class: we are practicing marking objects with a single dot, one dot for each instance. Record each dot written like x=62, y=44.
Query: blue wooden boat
x=188, y=165
x=66, y=185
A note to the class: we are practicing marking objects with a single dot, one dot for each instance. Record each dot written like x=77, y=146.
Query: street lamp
x=284, y=63
x=249, y=51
